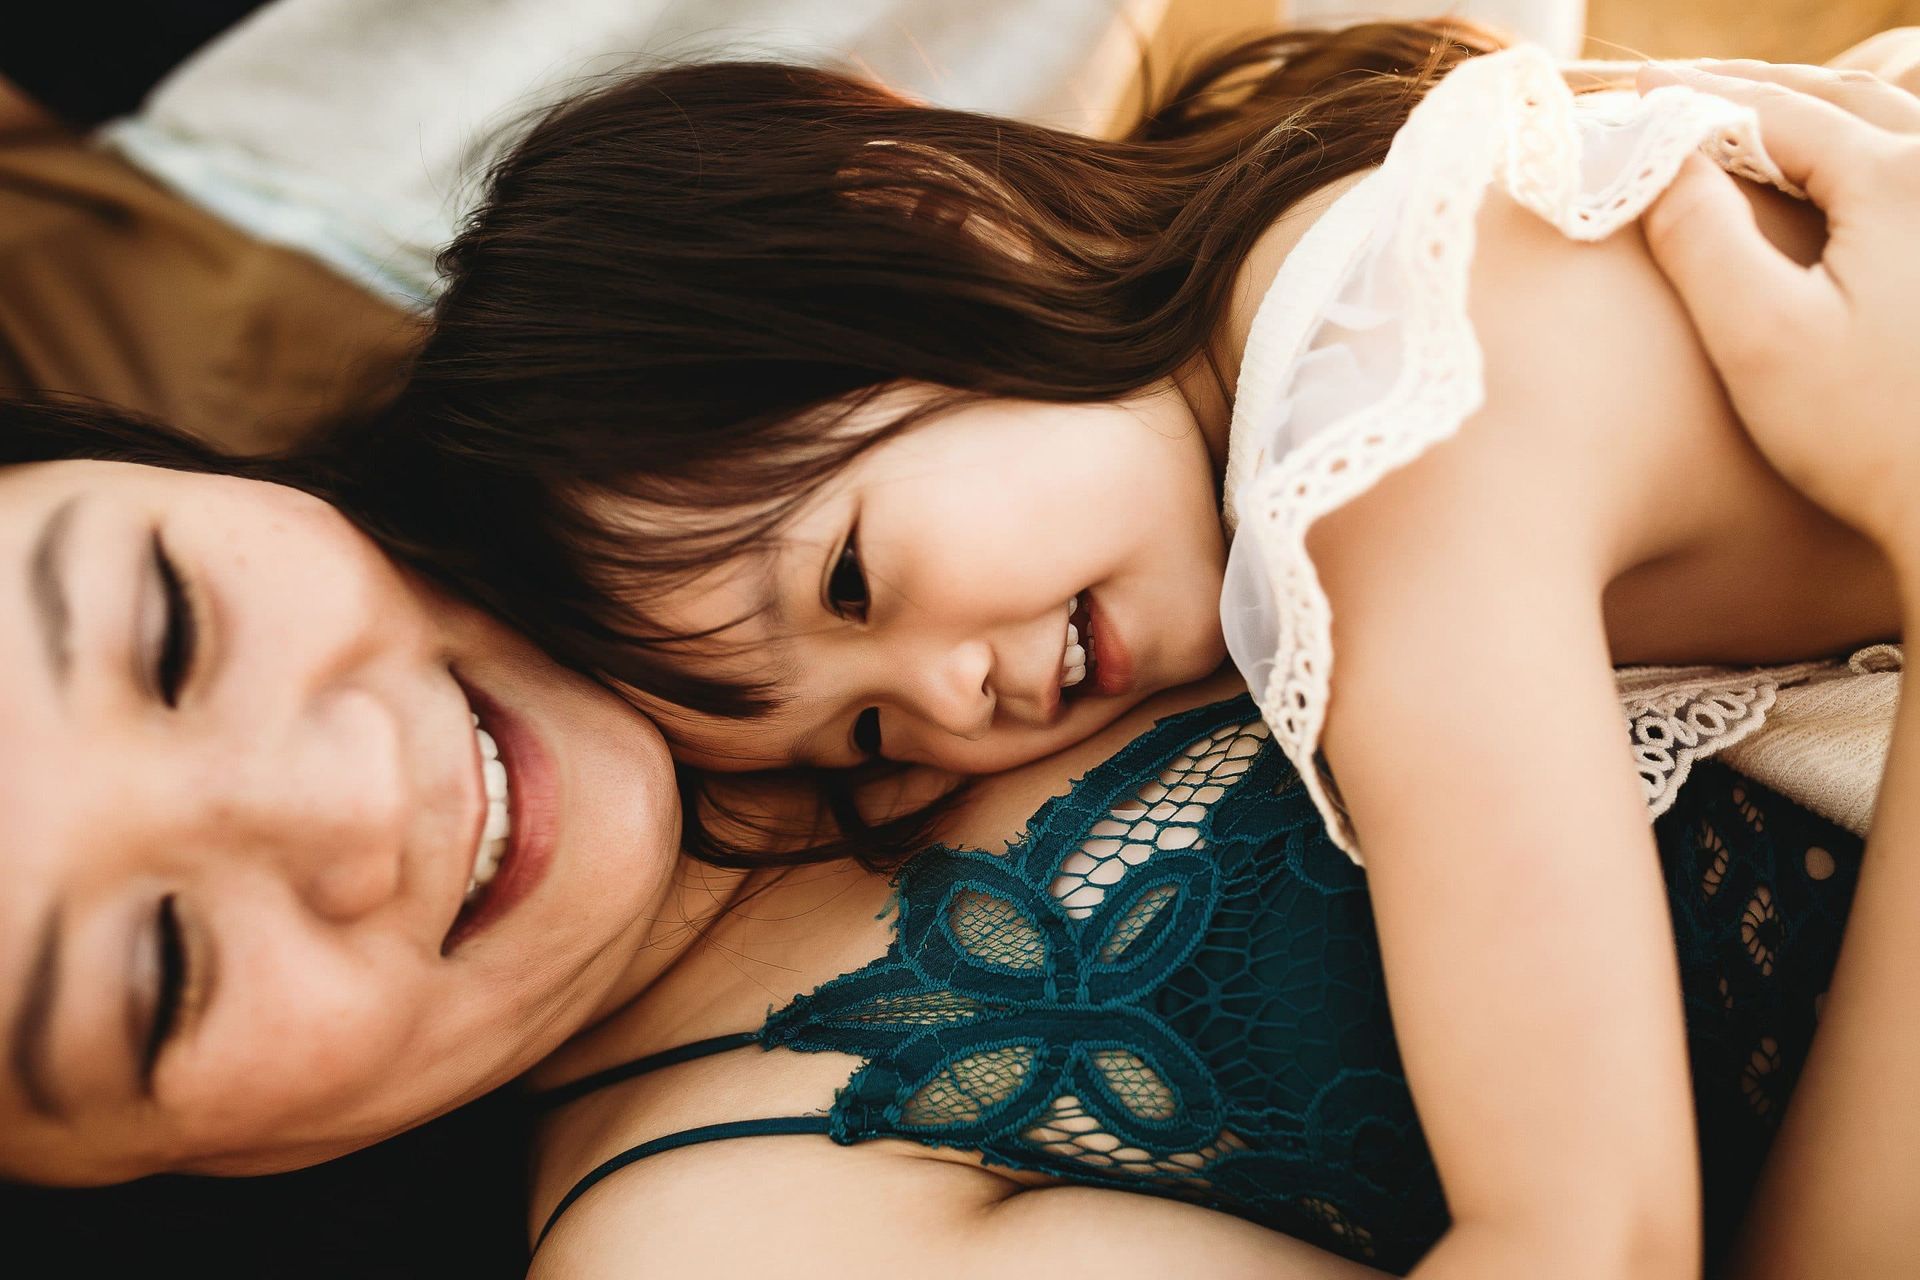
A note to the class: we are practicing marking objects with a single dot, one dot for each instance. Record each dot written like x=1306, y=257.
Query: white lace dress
x=1362, y=357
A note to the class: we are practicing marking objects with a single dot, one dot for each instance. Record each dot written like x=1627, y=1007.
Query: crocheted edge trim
x=1679, y=715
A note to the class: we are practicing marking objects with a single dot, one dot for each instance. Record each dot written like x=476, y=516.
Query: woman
x=242, y=935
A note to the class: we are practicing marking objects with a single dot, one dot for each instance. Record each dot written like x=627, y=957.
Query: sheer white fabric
x=1362, y=356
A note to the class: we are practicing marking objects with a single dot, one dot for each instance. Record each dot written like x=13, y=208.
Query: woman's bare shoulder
x=737, y=1207
x=808, y=1208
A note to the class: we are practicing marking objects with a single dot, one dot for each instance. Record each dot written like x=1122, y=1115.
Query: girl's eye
x=847, y=584
x=170, y=987
x=866, y=733
x=178, y=639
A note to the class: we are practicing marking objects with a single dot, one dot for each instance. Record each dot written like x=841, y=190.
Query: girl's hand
x=1893, y=56
x=1822, y=362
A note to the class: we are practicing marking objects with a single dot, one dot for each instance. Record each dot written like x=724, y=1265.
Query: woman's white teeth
x=493, y=837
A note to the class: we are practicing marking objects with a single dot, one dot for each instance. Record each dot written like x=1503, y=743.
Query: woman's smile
x=518, y=802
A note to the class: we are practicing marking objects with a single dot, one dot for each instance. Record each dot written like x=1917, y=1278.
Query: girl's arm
x=1841, y=1190
x=1822, y=362
x=1479, y=743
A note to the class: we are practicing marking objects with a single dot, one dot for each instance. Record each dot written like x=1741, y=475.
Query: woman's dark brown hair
x=679, y=285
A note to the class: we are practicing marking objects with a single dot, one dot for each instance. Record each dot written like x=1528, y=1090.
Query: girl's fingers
x=1866, y=92
x=1858, y=92
x=1825, y=149
x=1894, y=56
x=1734, y=283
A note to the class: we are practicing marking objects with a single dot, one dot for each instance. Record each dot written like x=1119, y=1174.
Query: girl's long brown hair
x=679, y=284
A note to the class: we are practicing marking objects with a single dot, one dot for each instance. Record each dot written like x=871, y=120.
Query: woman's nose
x=327, y=804
x=954, y=690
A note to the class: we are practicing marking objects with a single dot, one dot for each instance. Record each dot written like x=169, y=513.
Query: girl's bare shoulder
x=1598, y=392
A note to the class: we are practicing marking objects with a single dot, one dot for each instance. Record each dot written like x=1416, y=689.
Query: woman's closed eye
x=847, y=582
x=169, y=988
x=172, y=650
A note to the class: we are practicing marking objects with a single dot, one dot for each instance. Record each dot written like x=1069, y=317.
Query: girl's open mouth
x=1095, y=659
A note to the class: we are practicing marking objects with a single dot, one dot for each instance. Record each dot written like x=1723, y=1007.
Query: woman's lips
x=534, y=787
x=1112, y=670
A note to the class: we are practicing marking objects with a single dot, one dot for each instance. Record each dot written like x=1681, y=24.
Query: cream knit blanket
x=1824, y=743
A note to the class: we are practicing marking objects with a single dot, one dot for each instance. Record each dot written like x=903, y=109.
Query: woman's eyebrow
x=48, y=592
x=31, y=1022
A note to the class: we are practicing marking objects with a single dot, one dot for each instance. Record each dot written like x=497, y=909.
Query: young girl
x=845, y=430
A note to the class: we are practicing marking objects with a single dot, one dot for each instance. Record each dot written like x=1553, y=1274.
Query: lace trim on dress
x=1677, y=715
x=1362, y=357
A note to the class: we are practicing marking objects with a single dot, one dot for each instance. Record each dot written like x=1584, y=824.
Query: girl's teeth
x=1074, y=660
x=1074, y=664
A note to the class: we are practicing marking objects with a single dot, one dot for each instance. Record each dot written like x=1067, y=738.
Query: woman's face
x=242, y=804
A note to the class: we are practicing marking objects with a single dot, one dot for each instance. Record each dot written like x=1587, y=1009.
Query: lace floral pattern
x=1362, y=356
x=1171, y=985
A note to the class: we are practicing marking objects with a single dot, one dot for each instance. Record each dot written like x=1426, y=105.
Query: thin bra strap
x=547, y=1099
x=774, y=1126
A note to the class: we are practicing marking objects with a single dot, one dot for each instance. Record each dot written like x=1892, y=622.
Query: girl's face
x=986, y=588
x=242, y=801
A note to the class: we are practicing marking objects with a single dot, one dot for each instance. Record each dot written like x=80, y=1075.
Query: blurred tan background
x=1103, y=96
x=1778, y=30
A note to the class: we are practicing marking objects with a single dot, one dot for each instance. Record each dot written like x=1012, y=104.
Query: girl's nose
x=954, y=692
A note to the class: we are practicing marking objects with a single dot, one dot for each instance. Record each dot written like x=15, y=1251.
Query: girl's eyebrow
x=770, y=599
x=818, y=746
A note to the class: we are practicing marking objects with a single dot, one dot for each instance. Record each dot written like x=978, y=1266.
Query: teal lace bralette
x=1170, y=984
